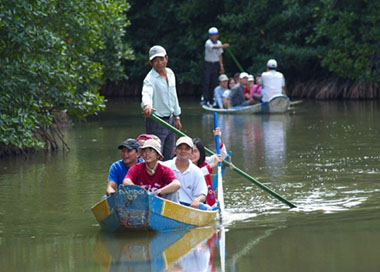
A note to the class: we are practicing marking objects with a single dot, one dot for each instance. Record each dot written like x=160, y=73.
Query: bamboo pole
x=235, y=60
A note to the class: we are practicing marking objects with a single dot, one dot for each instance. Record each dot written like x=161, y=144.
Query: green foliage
x=311, y=40
x=54, y=56
x=180, y=27
x=350, y=31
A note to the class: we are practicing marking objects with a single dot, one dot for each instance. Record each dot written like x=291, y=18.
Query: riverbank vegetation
x=54, y=57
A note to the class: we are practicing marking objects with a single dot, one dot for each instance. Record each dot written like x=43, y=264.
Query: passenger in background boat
x=153, y=176
x=193, y=186
x=220, y=90
x=248, y=88
x=213, y=65
x=159, y=95
x=256, y=90
x=273, y=82
x=237, y=92
x=236, y=78
x=231, y=84
x=118, y=170
x=207, y=163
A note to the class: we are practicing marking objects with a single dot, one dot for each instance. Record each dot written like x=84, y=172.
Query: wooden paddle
x=296, y=102
x=236, y=169
x=220, y=182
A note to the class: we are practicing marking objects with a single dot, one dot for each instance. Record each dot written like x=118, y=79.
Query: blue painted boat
x=132, y=207
x=277, y=104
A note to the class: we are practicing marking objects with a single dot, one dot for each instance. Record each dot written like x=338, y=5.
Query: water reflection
x=259, y=139
x=191, y=250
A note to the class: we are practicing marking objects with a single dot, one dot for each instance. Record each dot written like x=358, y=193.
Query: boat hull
x=277, y=104
x=134, y=208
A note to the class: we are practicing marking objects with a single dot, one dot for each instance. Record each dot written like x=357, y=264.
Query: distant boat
x=133, y=208
x=277, y=104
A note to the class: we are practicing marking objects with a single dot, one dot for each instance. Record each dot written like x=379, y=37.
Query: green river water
x=322, y=156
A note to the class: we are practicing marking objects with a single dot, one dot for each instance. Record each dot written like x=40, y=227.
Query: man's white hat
x=223, y=77
x=243, y=75
x=184, y=140
x=157, y=51
x=213, y=31
x=272, y=63
x=250, y=78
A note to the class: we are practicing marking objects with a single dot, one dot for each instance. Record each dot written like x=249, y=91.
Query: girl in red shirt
x=207, y=163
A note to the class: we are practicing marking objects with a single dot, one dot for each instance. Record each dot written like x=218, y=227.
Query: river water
x=322, y=156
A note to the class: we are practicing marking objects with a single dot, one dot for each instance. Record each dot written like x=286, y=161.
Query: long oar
x=237, y=170
x=220, y=182
x=235, y=60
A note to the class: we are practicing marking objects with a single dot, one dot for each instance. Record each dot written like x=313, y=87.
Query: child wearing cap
x=151, y=175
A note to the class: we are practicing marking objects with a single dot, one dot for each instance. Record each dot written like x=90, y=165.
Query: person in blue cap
x=213, y=65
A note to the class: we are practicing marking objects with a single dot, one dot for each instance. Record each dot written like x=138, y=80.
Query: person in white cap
x=213, y=65
x=151, y=175
x=159, y=95
x=272, y=82
x=236, y=96
x=193, y=185
x=219, y=91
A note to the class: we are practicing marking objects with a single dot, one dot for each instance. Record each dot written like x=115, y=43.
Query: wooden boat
x=133, y=208
x=152, y=251
x=277, y=104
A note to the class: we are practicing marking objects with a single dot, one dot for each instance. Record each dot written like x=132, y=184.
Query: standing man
x=273, y=82
x=213, y=65
x=159, y=95
x=118, y=170
x=193, y=189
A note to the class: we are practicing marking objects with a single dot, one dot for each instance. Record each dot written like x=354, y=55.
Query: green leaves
x=55, y=56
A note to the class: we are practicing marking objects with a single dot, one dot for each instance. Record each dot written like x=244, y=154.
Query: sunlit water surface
x=322, y=156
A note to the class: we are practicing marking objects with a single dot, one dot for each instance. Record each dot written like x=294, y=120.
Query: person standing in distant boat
x=159, y=95
x=272, y=82
x=213, y=65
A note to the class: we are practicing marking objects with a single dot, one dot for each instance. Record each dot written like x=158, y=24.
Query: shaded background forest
x=326, y=49
x=57, y=58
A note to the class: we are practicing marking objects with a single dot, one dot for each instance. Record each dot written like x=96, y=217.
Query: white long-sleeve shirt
x=159, y=94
